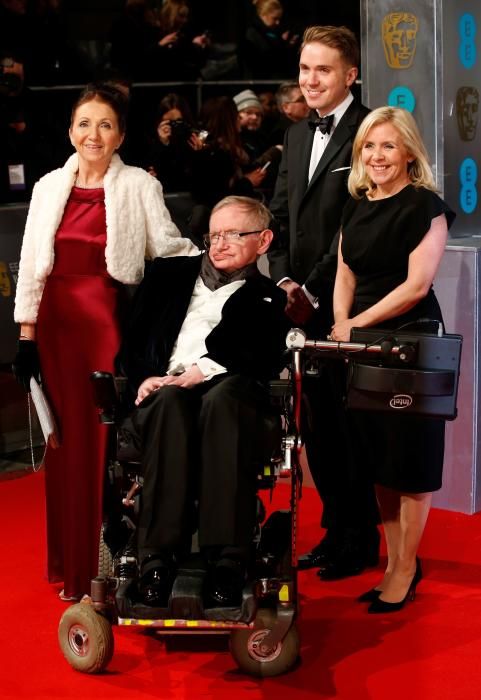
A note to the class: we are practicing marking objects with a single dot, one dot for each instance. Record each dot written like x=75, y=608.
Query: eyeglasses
x=301, y=98
x=228, y=236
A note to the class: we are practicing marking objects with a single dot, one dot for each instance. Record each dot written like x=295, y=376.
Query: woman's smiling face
x=95, y=133
x=386, y=159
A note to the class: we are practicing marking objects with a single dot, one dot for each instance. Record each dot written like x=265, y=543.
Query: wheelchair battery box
x=426, y=384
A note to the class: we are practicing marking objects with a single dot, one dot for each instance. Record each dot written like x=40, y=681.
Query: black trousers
x=200, y=443
x=336, y=462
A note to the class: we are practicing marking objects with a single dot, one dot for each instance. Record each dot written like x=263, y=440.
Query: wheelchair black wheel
x=246, y=648
x=86, y=638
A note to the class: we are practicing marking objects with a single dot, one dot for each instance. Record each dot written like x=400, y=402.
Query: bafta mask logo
x=5, y=286
x=399, y=31
x=467, y=101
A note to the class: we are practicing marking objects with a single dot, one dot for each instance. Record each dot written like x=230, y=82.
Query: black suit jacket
x=307, y=215
x=249, y=339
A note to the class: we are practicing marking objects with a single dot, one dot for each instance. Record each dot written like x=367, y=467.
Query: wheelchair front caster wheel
x=250, y=655
x=86, y=638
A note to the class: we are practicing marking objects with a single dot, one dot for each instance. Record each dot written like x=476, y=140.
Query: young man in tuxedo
x=310, y=193
x=206, y=335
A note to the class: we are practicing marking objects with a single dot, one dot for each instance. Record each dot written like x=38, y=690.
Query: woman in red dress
x=90, y=225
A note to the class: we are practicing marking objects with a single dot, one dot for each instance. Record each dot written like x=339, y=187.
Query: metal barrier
x=197, y=88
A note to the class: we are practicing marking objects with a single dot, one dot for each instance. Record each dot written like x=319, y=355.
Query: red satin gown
x=78, y=331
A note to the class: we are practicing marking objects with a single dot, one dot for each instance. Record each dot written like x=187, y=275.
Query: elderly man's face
x=234, y=255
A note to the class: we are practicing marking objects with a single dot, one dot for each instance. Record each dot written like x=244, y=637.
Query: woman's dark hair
x=220, y=117
x=107, y=93
x=174, y=101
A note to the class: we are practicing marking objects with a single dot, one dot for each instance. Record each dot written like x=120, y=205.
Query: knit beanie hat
x=246, y=99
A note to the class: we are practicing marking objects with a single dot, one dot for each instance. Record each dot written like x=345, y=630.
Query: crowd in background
x=153, y=42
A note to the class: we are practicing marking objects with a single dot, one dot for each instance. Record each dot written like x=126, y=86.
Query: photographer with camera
x=172, y=144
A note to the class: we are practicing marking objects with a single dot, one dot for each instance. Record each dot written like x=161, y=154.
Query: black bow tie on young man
x=324, y=124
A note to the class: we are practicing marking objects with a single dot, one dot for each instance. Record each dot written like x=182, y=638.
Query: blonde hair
x=264, y=7
x=340, y=38
x=419, y=170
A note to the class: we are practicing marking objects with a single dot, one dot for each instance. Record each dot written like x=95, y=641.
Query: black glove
x=26, y=363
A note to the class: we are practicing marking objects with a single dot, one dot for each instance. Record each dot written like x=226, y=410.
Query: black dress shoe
x=357, y=553
x=155, y=584
x=225, y=583
x=319, y=555
x=342, y=567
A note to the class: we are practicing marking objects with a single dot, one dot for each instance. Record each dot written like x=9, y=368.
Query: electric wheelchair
x=263, y=635
x=387, y=371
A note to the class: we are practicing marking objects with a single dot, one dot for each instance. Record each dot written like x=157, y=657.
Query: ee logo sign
x=467, y=45
x=468, y=175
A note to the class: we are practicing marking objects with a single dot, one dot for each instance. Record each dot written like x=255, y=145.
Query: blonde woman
x=393, y=234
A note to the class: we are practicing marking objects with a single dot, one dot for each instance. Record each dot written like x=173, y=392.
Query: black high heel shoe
x=369, y=596
x=382, y=606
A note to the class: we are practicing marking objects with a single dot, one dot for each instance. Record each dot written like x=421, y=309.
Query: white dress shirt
x=203, y=315
x=321, y=140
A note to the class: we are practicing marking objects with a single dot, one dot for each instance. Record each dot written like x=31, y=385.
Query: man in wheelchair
x=206, y=335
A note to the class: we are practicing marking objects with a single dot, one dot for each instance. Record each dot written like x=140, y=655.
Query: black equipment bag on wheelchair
x=423, y=379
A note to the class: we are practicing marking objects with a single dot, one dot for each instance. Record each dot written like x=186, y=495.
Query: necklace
x=97, y=185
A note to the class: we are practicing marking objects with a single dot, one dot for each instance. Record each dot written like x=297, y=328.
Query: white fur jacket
x=138, y=226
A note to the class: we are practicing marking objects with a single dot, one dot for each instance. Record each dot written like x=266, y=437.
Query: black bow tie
x=324, y=124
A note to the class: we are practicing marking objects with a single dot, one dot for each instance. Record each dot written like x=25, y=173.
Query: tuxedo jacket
x=249, y=339
x=307, y=214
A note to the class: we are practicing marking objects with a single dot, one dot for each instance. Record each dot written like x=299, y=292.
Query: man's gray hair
x=284, y=92
x=255, y=210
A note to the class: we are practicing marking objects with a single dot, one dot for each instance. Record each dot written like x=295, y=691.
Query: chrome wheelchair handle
x=296, y=339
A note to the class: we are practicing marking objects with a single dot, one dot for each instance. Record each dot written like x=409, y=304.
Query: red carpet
x=429, y=651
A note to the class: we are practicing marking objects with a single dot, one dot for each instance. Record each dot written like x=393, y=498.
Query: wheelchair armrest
x=105, y=395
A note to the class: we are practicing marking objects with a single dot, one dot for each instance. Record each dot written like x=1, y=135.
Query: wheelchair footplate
x=263, y=640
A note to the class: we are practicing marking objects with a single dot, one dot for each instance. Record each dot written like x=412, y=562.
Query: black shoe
x=382, y=606
x=356, y=554
x=225, y=583
x=155, y=584
x=319, y=555
x=369, y=596
x=342, y=567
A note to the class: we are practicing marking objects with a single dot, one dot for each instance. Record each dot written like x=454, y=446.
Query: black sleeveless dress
x=402, y=452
